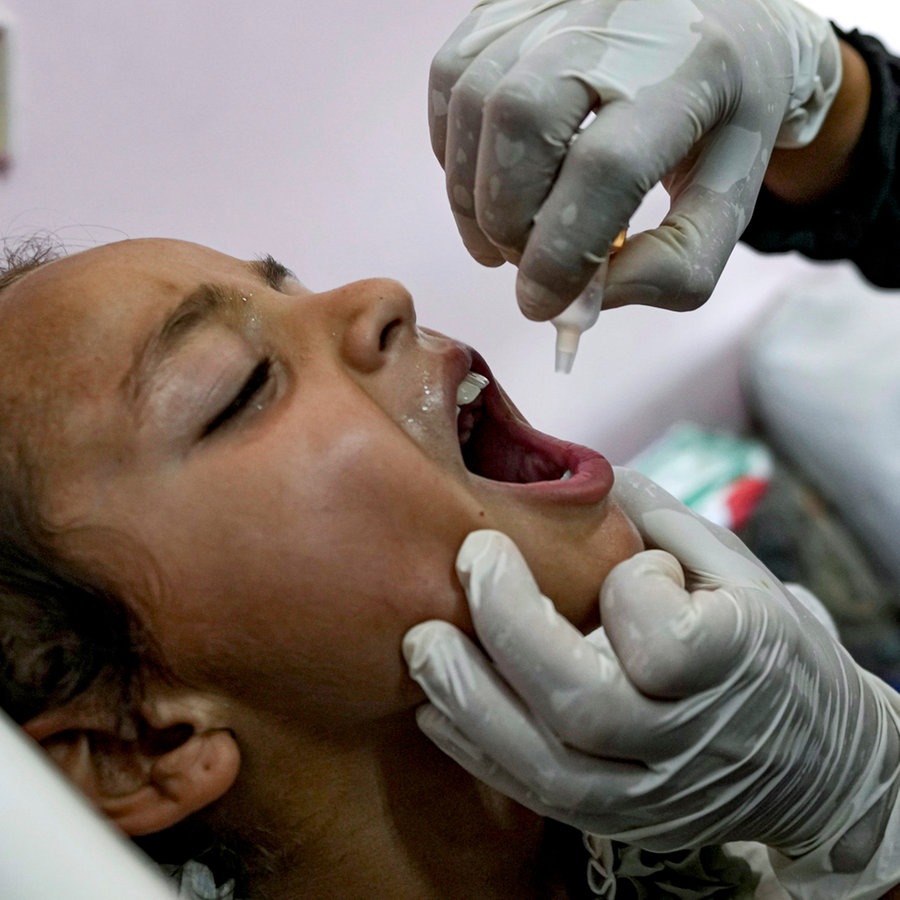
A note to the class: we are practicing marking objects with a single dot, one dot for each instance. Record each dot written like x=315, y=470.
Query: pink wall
x=299, y=129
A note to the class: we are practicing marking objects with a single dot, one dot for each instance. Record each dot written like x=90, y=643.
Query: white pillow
x=823, y=375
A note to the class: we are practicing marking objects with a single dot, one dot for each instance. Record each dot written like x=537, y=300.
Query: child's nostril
x=388, y=332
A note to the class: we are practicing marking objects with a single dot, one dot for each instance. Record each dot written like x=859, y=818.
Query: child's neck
x=402, y=821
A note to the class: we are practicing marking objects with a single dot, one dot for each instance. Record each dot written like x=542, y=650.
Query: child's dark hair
x=66, y=629
x=60, y=632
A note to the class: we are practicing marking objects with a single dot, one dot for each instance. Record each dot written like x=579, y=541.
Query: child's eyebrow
x=271, y=271
x=206, y=304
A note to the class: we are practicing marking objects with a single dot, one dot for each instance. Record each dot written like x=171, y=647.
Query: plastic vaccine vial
x=581, y=313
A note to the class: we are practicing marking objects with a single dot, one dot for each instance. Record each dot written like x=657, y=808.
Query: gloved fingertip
x=419, y=643
x=476, y=242
x=638, y=581
x=491, y=568
x=486, y=259
x=651, y=563
x=481, y=548
x=441, y=730
x=661, y=562
x=432, y=721
x=537, y=302
x=511, y=255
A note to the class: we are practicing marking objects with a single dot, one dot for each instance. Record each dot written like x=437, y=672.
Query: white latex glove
x=711, y=706
x=692, y=92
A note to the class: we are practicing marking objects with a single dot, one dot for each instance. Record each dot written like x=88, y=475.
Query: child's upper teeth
x=470, y=387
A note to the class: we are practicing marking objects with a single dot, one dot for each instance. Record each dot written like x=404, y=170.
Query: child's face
x=291, y=463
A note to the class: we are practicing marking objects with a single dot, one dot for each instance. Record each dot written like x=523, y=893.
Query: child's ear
x=180, y=758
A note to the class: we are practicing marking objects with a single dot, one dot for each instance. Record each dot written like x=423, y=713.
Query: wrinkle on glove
x=711, y=706
x=694, y=93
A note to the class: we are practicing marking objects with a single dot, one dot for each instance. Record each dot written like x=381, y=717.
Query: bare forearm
x=805, y=174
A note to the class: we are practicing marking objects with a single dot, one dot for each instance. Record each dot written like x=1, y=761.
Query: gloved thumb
x=671, y=642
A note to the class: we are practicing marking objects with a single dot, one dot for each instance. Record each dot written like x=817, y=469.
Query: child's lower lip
x=590, y=482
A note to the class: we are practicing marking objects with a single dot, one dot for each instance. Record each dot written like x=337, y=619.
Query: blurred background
x=299, y=129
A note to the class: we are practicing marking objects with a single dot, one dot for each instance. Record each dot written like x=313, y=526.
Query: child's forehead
x=59, y=305
x=127, y=279
x=74, y=323
x=137, y=258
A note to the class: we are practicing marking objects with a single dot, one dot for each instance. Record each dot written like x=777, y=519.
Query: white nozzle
x=576, y=318
x=566, y=347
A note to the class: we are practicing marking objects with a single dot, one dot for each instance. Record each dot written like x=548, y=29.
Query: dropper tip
x=564, y=360
x=567, y=337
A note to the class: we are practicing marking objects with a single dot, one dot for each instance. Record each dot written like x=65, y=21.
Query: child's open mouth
x=498, y=445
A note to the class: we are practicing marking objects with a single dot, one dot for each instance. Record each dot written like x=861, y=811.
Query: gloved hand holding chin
x=712, y=705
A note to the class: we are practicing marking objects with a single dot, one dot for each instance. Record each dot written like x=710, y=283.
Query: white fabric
x=52, y=845
x=823, y=374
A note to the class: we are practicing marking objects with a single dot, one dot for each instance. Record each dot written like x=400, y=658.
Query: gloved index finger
x=446, y=67
x=478, y=720
x=561, y=675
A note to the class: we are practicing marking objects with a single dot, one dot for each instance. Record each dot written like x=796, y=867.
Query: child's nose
x=376, y=313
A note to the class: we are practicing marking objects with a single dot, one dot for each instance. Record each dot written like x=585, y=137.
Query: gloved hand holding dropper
x=712, y=705
x=695, y=93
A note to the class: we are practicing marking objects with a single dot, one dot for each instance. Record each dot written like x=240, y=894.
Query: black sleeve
x=860, y=220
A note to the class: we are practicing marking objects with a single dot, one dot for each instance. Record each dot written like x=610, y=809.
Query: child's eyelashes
x=250, y=390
